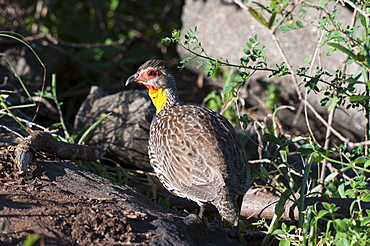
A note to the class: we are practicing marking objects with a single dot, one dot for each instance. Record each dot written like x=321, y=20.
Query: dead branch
x=264, y=206
x=43, y=141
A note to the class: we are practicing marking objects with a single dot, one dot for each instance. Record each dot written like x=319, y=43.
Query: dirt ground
x=33, y=206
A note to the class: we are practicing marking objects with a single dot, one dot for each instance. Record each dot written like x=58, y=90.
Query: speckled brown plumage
x=194, y=151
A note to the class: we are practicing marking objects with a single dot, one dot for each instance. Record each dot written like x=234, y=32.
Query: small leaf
x=113, y=5
x=299, y=24
x=200, y=63
x=324, y=101
x=242, y=225
x=328, y=206
x=342, y=49
x=305, y=149
x=365, y=197
x=87, y=133
x=321, y=214
x=258, y=17
x=4, y=96
x=358, y=98
x=244, y=118
x=272, y=19
x=340, y=225
x=247, y=51
x=332, y=106
x=264, y=172
x=364, y=21
x=284, y=242
x=365, y=221
x=308, y=60
x=230, y=87
x=271, y=139
x=367, y=164
x=31, y=240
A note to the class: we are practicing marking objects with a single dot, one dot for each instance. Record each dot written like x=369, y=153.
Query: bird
x=194, y=151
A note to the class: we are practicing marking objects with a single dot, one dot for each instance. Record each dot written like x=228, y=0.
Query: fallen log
x=263, y=207
x=43, y=141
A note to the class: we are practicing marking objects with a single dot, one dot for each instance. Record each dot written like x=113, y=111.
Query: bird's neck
x=162, y=98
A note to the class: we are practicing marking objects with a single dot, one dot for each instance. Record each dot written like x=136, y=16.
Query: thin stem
x=57, y=104
x=326, y=146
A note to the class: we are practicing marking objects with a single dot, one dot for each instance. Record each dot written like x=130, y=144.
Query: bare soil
x=34, y=206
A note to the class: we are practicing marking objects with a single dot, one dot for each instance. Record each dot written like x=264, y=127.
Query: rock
x=224, y=28
x=124, y=134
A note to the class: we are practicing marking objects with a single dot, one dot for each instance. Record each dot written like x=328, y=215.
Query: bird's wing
x=190, y=152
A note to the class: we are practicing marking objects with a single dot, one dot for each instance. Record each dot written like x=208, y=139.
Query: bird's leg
x=201, y=210
x=235, y=232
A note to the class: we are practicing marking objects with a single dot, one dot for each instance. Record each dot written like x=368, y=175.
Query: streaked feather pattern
x=194, y=151
x=197, y=154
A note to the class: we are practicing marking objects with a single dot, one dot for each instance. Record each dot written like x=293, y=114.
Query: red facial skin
x=147, y=75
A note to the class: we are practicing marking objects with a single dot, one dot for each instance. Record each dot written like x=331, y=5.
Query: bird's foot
x=235, y=232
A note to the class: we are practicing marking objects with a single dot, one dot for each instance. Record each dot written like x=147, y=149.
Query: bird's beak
x=132, y=79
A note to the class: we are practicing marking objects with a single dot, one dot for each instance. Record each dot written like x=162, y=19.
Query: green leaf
x=91, y=129
x=364, y=21
x=322, y=213
x=200, y=63
x=332, y=106
x=278, y=231
x=342, y=49
x=324, y=101
x=165, y=202
x=31, y=240
x=271, y=139
x=365, y=221
x=358, y=98
x=365, y=197
x=305, y=149
x=272, y=19
x=367, y=164
x=258, y=17
x=113, y=5
x=244, y=118
x=284, y=242
x=340, y=225
x=3, y=226
x=264, y=172
x=309, y=59
x=341, y=191
x=229, y=88
x=299, y=24
x=4, y=96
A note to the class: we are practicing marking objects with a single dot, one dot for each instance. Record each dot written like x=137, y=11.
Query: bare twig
x=354, y=6
x=326, y=146
x=10, y=130
x=28, y=123
x=46, y=103
x=57, y=41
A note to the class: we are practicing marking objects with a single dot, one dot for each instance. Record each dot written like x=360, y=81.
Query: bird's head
x=158, y=80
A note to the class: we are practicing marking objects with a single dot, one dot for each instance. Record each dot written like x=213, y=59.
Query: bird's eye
x=151, y=73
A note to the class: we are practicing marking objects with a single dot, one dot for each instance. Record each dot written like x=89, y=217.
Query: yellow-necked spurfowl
x=194, y=151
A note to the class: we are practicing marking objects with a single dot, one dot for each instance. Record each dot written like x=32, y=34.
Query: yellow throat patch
x=158, y=96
